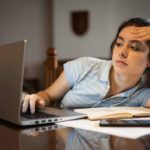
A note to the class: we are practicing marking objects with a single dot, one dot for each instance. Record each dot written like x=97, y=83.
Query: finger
x=139, y=35
x=145, y=37
x=33, y=99
x=40, y=103
x=142, y=36
x=135, y=30
x=138, y=31
x=25, y=103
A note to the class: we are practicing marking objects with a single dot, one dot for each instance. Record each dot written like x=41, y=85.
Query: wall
x=105, y=17
x=31, y=20
x=94, y=42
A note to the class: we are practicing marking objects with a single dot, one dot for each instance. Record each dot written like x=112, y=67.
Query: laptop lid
x=11, y=80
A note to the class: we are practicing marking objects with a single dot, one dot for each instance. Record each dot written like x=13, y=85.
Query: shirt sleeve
x=144, y=96
x=75, y=69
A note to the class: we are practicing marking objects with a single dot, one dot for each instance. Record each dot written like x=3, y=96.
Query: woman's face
x=130, y=55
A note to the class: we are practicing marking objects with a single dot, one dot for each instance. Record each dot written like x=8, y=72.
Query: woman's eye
x=118, y=44
x=135, y=48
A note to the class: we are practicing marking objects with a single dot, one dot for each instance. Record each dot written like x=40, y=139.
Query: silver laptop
x=12, y=60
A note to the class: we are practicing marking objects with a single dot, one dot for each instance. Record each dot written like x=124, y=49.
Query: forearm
x=148, y=103
x=56, y=90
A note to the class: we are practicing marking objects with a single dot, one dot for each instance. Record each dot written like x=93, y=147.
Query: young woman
x=91, y=82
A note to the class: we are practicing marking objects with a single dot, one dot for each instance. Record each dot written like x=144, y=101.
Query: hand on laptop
x=32, y=101
x=46, y=97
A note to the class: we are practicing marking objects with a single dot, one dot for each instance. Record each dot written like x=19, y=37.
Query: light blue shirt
x=89, y=79
x=87, y=140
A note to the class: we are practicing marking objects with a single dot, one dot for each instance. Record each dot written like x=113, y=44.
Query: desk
x=43, y=138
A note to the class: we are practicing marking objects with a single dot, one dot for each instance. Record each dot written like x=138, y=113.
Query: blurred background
x=51, y=23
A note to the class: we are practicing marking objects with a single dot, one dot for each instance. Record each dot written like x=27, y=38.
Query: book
x=114, y=112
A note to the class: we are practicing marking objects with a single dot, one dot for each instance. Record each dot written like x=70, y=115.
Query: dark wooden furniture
x=53, y=66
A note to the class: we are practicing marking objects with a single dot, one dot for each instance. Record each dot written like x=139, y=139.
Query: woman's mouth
x=121, y=63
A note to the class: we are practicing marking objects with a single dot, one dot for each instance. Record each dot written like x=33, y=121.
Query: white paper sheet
x=125, y=132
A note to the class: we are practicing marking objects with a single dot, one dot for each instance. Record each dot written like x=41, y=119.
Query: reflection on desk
x=45, y=138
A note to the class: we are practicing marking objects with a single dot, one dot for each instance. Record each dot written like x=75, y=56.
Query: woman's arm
x=148, y=103
x=45, y=97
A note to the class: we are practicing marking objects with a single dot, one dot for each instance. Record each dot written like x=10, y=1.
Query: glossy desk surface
x=51, y=137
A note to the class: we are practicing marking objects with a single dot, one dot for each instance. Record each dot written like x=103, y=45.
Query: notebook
x=12, y=62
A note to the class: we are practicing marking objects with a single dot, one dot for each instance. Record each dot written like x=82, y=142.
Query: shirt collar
x=105, y=71
x=130, y=92
x=104, y=78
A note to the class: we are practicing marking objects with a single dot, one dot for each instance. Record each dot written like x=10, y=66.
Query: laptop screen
x=11, y=79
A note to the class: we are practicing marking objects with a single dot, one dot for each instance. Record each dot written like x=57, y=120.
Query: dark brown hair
x=137, y=22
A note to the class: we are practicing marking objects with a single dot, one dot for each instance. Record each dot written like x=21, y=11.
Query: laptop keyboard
x=37, y=115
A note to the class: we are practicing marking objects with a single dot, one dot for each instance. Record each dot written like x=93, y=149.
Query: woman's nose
x=124, y=53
